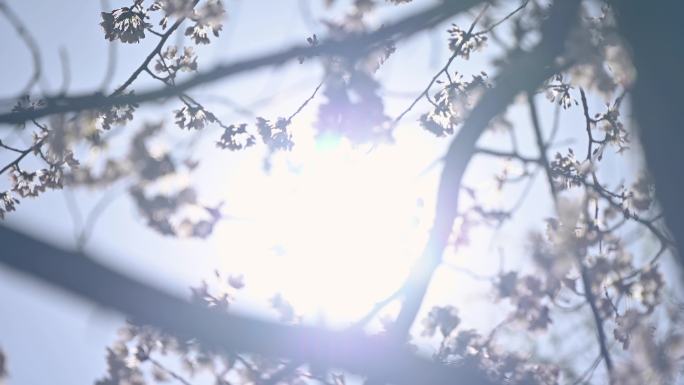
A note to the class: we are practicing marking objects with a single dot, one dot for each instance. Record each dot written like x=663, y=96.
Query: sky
x=289, y=232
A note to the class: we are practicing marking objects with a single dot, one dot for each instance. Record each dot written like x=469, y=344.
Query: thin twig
x=8, y=147
x=584, y=273
x=508, y=155
x=93, y=216
x=524, y=73
x=157, y=49
x=589, y=370
x=283, y=372
x=504, y=19
x=170, y=372
x=66, y=73
x=301, y=107
x=601, y=334
x=22, y=155
x=353, y=46
x=589, y=121
x=443, y=70
x=376, y=309
x=539, y=138
x=75, y=212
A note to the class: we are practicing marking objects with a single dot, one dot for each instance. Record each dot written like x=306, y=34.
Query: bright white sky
x=333, y=228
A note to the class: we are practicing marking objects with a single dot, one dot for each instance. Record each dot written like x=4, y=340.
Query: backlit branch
x=522, y=74
x=348, y=350
x=352, y=46
x=457, y=51
x=156, y=51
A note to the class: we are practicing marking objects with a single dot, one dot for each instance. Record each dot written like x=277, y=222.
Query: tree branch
x=584, y=273
x=539, y=138
x=443, y=70
x=524, y=73
x=28, y=40
x=598, y=321
x=351, y=46
x=350, y=350
x=157, y=50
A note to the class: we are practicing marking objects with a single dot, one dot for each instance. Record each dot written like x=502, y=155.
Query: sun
x=334, y=228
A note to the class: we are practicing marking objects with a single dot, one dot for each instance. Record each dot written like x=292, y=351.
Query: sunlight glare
x=343, y=227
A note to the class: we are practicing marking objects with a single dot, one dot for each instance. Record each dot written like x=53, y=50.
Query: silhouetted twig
x=352, y=46
x=524, y=73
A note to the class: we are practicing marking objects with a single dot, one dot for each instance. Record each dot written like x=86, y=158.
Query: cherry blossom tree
x=585, y=268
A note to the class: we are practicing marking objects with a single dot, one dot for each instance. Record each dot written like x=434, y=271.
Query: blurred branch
x=93, y=216
x=589, y=371
x=601, y=333
x=30, y=42
x=584, y=272
x=539, y=139
x=283, y=372
x=508, y=155
x=609, y=195
x=523, y=73
x=168, y=371
x=66, y=72
x=306, y=15
x=76, y=215
x=348, y=350
x=502, y=20
x=376, y=309
x=111, y=55
x=22, y=155
x=352, y=46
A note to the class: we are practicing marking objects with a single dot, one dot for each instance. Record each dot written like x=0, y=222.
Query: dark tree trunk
x=655, y=31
